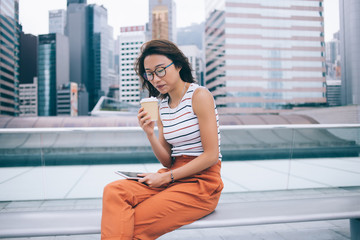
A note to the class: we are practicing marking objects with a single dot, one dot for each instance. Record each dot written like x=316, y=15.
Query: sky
x=120, y=13
x=35, y=19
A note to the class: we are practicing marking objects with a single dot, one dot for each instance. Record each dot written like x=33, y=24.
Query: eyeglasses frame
x=154, y=72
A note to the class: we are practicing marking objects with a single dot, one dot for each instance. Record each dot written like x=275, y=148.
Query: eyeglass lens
x=160, y=72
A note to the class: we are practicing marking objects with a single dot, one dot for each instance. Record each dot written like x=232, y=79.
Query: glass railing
x=63, y=163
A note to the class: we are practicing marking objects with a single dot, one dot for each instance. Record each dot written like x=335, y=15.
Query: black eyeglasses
x=160, y=72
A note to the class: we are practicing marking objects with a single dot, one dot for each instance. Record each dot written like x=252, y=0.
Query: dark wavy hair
x=172, y=52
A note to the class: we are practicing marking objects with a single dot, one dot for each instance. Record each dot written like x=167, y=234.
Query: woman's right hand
x=145, y=121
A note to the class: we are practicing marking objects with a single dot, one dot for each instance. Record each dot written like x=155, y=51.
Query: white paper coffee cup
x=150, y=105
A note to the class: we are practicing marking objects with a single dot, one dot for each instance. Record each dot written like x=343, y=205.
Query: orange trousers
x=132, y=210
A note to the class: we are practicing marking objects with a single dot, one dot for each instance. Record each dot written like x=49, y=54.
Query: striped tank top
x=181, y=125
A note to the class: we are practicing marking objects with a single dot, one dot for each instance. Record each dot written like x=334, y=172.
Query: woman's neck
x=177, y=95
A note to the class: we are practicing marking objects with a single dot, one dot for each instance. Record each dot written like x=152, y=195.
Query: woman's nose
x=156, y=78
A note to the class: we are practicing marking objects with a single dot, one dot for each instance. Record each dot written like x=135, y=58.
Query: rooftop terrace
x=64, y=163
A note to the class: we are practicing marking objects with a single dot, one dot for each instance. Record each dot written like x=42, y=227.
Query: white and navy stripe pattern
x=181, y=125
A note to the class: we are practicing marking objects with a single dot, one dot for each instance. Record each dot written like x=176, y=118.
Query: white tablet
x=129, y=175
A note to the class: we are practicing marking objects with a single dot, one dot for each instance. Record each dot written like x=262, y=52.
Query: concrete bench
x=227, y=214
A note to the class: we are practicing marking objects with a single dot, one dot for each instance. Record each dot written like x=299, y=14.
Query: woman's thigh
x=172, y=208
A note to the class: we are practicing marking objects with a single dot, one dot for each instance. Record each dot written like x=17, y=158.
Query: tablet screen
x=129, y=175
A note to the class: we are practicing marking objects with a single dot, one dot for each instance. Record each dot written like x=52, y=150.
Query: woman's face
x=166, y=83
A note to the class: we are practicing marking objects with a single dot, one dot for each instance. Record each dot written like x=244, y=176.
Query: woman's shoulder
x=201, y=91
x=202, y=97
x=194, y=88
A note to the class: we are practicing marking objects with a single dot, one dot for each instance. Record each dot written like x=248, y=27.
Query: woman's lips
x=160, y=87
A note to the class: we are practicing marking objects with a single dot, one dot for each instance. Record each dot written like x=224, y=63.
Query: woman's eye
x=160, y=70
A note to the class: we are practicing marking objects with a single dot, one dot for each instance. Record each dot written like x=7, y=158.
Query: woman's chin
x=162, y=90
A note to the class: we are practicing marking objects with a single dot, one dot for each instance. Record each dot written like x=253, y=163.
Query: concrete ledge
x=72, y=222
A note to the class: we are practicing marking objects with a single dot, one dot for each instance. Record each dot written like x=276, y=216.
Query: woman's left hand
x=155, y=180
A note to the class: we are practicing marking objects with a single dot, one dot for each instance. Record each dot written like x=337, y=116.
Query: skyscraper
x=130, y=40
x=264, y=56
x=162, y=19
x=99, y=37
x=76, y=30
x=57, y=21
x=9, y=57
x=350, y=51
x=90, y=39
x=28, y=58
x=53, y=71
x=75, y=1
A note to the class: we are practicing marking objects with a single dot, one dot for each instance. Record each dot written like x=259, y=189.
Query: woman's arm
x=203, y=106
x=160, y=147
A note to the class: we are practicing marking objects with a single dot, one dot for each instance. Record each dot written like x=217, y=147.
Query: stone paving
x=80, y=187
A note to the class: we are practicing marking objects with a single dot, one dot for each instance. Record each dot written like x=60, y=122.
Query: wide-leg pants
x=132, y=210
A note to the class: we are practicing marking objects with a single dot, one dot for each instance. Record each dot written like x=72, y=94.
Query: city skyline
x=38, y=24
x=292, y=65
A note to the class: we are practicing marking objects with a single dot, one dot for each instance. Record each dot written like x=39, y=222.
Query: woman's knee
x=116, y=188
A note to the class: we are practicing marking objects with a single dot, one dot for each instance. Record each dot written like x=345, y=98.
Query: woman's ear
x=178, y=69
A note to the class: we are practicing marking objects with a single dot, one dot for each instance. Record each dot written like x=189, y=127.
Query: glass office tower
x=53, y=70
x=99, y=40
x=265, y=56
x=76, y=30
x=90, y=37
x=9, y=57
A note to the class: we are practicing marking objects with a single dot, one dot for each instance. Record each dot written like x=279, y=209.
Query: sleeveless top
x=181, y=126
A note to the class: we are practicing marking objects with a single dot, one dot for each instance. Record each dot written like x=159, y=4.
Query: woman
x=188, y=146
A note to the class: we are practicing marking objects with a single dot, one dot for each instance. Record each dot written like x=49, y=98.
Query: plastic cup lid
x=150, y=99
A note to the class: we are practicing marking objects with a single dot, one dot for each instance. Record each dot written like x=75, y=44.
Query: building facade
x=350, y=51
x=57, y=21
x=196, y=60
x=28, y=95
x=265, y=56
x=76, y=30
x=9, y=57
x=99, y=47
x=28, y=57
x=67, y=100
x=162, y=19
x=68, y=2
x=333, y=92
x=53, y=71
x=130, y=41
x=333, y=58
x=90, y=51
